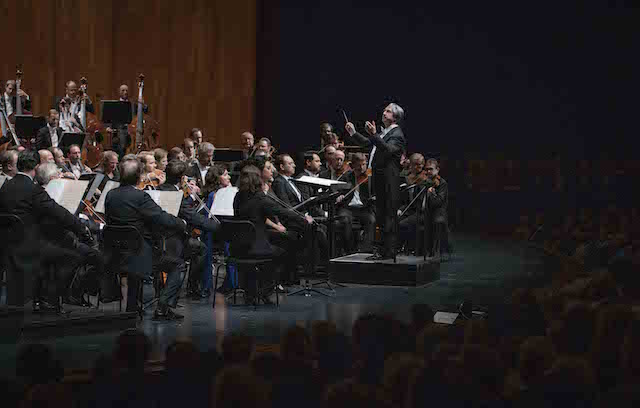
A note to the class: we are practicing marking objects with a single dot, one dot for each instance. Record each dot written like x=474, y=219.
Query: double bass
x=142, y=128
x=7, y=121
x=91, y=148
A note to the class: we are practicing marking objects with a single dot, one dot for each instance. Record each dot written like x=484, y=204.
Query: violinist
x=75, y=164
x=151, y=176
x=161, y=158
x=356, y=205
x=177, y=244
x=416, y=174
x=73, y=97
x=437, y=203
x=336, y=167
x=50, y=135
x=9, y=98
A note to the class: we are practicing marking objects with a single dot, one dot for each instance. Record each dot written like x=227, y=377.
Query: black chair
x=242, y=234
x=11, y=236
x=121, y=242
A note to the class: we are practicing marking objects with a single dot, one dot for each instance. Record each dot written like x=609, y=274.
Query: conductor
x=387, y=147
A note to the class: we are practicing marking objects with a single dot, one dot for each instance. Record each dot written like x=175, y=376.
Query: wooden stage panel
x=408, y=271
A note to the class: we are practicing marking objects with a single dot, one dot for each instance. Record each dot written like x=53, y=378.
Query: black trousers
x=366, y=218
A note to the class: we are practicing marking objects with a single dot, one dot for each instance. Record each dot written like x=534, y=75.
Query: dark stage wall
x=472, y=76
x=198, y=57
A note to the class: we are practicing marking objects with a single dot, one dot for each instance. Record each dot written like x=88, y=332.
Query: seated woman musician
x=252, y=204
x=217, y=178
x=152, y=177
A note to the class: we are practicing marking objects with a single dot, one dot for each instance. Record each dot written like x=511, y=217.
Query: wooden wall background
x=198, y=57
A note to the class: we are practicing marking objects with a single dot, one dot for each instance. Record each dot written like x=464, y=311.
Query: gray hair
x=398, y=112
x=130, y=171
x=205, y=148
x=45, y=172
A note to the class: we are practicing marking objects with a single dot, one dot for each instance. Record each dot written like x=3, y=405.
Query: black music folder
x=27, y=126
x=69, y=139
x=228, y=155
x=116, y=112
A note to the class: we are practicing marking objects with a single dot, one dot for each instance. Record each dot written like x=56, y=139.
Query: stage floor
x=482, y=270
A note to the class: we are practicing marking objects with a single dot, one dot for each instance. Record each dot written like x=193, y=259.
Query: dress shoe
x=42, y=306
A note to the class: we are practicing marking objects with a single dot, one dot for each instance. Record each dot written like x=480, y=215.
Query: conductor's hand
x=370, y=127
x=309, y=219
x=351, y=130
x=339, y=199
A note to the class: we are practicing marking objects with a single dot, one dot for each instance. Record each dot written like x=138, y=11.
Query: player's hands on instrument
x=431, y=190
x=339, y=199
x=193, y=187
x=350, y=128
x=23, y=94
x=86, y=237
x=370, y=127
x=309, y=219
x=280, y=228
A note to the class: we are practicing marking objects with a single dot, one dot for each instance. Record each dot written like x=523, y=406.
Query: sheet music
x=110, y=185
x=317, y=181
x=68, y=193
x=169, y=201
x=223, y=201
x=445, y=317
x=2, y=180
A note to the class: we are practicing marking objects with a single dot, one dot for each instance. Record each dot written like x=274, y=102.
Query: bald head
x=130, y=171
x=46, y=156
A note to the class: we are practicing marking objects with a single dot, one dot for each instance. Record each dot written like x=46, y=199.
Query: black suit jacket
x=43, y=137
x=126, y=205
x=438, y=201
x=283, y=190
x=194, y=171
x=56, y=104
x=350, y=177
x=21, y=197
x=386, y=167
x=175, y=240
x=257, y=208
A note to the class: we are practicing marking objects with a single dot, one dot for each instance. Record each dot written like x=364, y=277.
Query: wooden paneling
x=198, y=56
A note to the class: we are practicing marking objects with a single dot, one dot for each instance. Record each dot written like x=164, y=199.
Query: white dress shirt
x=203, y=171
x=382, y=135
x=54, y=136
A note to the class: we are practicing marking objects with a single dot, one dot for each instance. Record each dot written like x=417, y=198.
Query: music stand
x=95, y=181
x=228, y=155
x=68, y=139
x=27, y=126
x=116, y=112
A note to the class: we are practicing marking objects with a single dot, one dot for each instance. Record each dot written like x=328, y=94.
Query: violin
x=151, y=180
x=346, y=166
x=360, y=180
x=417, y=178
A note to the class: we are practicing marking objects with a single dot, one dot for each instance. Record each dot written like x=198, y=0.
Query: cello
x=91, y=148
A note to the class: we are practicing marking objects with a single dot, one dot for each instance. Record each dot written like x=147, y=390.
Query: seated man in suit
x=126, y=205
x=198, y=169
x=50, y=135
x=356, y=205
x=38, y=213
x=177, y=246
x=75, y=162
x=335, y=166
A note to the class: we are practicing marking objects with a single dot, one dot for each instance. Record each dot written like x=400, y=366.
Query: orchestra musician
x=122, y=128
x=151, y=177
x=437, y=204
x=246, y=141
x=109, y=165
x=416, y=177
x=31, y=203
x=198, y=170
x=189, y=151
x=335, y=166
x=329, y=154
x=50, y=135
x=264, y=146
x=60, y=161
x=66, y=251
x=356, y=205
x=74, y=98
x=177, y=244
x=327, y=137
x=312, y=166
x=9, y=163
x=75, y=164
x=46, y=157
x=9, y=98
x=251, y=203
x=127, y=205
x=217, y=178
x=176, y=153
x=384, y=160
x=161, y=158
x=196, y=136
